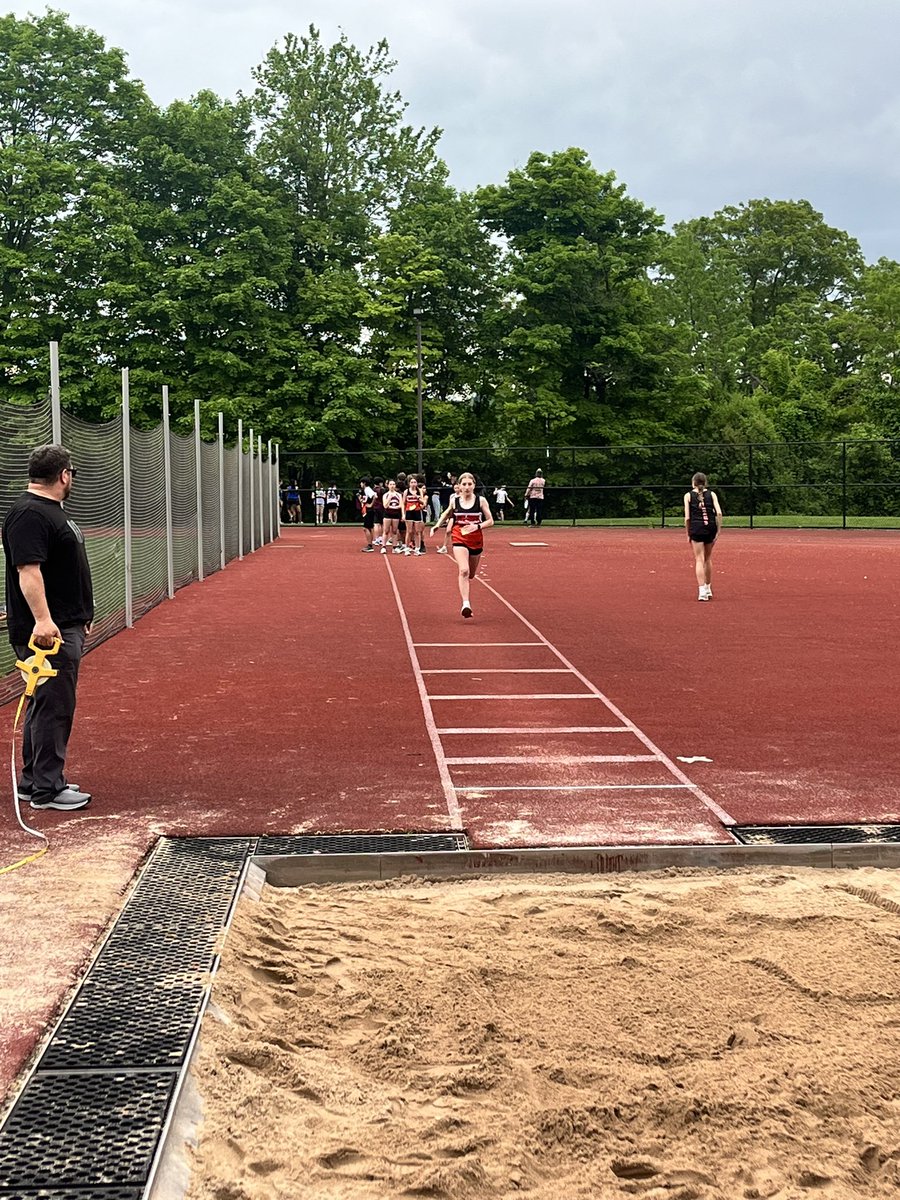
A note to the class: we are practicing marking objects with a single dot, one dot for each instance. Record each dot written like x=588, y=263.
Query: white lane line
x=497, y=671
x=540, y=729
x=431, y=726
x=720, y=812
x=524, y=696
x=477, y=644
x=553, y=759
x=577, y=787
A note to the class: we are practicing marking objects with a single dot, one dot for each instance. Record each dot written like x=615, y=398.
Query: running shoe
x=442, y=549
x=368, y=549
x=467, y=609
x=384, y=550
x=67, y=800
x=25, y=793
x=704, y=595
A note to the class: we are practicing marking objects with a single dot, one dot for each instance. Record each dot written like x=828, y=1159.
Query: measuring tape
x=35, y=671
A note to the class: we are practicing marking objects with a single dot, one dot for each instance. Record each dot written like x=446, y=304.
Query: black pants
x=48, y=721
x=535, y=511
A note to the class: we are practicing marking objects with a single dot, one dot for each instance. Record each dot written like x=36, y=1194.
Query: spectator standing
x=49, y=595
x=293, y=503
x=332, y=500
x=534, y=494
x=501, y=498
x=365, y=498
x=318, y=495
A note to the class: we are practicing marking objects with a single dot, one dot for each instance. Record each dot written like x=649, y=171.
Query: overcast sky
x=693, y=103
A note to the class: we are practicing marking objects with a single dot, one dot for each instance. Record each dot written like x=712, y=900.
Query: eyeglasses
x=73, y=471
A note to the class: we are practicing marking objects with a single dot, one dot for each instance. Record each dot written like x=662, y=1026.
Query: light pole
x=417, y=313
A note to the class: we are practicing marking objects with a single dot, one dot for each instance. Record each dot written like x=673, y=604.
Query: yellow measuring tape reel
x=35, y=671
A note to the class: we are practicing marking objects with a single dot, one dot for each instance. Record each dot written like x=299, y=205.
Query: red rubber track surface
x=279, y=696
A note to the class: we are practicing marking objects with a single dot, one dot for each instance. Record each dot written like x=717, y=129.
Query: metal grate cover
x=139, y=1002
x=768, y=835
x=362, y=843
x=83, y=1130
x=73, y=1193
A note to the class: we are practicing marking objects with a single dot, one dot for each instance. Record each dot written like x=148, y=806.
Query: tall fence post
x=240, y=490
x=199, y=473
x=55, y=395
x=126, y=481
x=574, y=493
x=270, y=505
x=222, y=491
x=277, y=489
x=843, y=485
x=252, y=490
x=167, y=465
x=750, y=480
x=262, y=526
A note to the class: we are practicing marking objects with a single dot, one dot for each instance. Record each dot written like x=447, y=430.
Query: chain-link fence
x=157, y=510
x=826, y=484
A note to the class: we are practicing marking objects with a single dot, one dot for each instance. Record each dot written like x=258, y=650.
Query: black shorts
x=706, y=537
x=369, y=520
x=463, y=546
x=414, y=516
x=392, y=514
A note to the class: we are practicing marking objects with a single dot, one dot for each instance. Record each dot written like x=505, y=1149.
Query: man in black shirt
x=48, y=596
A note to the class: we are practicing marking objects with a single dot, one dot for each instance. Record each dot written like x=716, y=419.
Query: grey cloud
x=694, y=103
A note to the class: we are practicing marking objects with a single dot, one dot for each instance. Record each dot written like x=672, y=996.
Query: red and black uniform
x=703, y=524
x=461, y=515
x=415, y=503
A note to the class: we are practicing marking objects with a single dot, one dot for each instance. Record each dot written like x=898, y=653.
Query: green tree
x=67, y=107
x=332, y=137
x=584, y=356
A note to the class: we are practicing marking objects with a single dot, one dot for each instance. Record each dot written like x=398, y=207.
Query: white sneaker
x=407, y=550
x=383, y=551
x=442, y=549
x=466, y=609
x=703, y=594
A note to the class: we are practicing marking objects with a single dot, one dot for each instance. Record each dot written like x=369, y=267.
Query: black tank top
x=702, y=513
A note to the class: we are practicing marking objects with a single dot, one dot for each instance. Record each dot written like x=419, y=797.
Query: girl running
x=469, y=515
x=702, y=520
x=393, y=507
x=414, y=501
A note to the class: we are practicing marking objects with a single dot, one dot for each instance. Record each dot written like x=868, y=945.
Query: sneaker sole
x=467, y=612
x=62, y=806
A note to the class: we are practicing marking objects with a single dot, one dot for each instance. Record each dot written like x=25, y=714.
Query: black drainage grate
x=73, y=1193
x=82, y=1131
x=362, y=843
x=139, y=1002
x=808, y=835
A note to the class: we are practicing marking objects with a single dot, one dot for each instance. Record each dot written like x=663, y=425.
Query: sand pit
x=686, y=1034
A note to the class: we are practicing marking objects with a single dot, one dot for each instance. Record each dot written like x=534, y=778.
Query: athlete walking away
x=702, y=520
x=468, y=516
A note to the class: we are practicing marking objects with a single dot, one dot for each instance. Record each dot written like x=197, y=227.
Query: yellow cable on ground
x=35, y=671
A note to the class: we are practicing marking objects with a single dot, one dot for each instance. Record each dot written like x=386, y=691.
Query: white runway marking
x=578, y=787
x=524, y=696
x=554, y=759
x=444, y=771
x=521, y=544
x=694, y=758
x=470, y=644
x=498, y=671
x=719, y=812
x=542, y=729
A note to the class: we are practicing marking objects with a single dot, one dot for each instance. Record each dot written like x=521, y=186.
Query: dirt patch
x=688, y=1035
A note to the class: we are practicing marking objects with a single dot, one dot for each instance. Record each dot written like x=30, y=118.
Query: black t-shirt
x=37, y=530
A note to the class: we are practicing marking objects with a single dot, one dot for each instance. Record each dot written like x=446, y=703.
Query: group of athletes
x=394, y=522
x=394, y=519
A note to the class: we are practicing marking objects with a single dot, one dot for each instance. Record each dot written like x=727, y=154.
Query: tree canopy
x=277, y=255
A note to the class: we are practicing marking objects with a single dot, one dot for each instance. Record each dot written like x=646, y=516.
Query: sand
x=686, y=1034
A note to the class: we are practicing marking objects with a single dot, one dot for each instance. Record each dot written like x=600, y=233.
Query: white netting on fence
x=240, y=483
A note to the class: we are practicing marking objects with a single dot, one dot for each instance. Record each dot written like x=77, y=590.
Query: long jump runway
x=529, y=749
